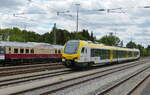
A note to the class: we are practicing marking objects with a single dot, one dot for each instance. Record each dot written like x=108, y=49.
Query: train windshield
x=71, y=47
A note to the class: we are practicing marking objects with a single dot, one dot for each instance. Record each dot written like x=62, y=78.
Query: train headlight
x=63, y=59
x=76, y=59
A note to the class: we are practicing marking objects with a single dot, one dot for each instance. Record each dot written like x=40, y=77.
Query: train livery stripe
x=15, y=56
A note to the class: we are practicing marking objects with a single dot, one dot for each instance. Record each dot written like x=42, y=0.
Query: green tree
x=148, y=50
x=92, y=38
x=110, y=40
x=131, y=45
x=141, y=48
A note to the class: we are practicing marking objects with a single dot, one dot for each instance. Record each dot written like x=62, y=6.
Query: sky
x=127, y=19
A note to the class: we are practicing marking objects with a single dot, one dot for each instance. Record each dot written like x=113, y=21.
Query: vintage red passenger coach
x=29, y=52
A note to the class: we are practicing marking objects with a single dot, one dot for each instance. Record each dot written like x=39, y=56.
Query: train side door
x=85, y=54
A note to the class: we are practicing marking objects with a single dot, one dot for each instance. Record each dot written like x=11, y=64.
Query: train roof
x=58, y=46
x=97, y=45
x=29, y=44
x=18, y=44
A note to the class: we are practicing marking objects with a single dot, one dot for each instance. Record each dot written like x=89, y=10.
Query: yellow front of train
x=71, y=52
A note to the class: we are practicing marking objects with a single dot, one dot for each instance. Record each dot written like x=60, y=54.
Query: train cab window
x=27, y=50
x=21, y=50
x=15, y=50
x=32, y=51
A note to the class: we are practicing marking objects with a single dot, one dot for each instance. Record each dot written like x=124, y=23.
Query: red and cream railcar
x=28, y=52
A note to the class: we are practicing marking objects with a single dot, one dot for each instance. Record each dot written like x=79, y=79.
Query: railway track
x=10, y=81
x=142, y=88
x=7, y=71
x=113, y=89
x=20, y=79
x=106, y=91
x=62, y=82
x=139, y=84
x=26, y=66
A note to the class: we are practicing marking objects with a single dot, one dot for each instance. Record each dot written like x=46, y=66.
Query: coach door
x=85, y=54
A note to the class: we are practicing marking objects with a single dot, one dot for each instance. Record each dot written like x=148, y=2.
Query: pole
x=25, y=26
x=54, y=28
x=77, y=17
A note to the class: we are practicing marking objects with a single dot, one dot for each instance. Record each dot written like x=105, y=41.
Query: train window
x=82, y=51
x=104, y=54
x=135, y=54
x=55, y=51
x=114, y=54
x=124, y=54
x=120, y=54
x=21, y=50
x=92, y=52
x=59, y=51
x=32, y=50
x=96, y=52
x=27, y=50
x=71, y=47
x=85, y=50
x=15, y=50
x=130, y=54
x=9, y=48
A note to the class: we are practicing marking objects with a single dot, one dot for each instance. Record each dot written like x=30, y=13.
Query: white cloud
x=40, y=15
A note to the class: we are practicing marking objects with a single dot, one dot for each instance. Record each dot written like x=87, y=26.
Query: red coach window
x=9, y=50
x=15, y=50
x=27, y=50
x=32, y=50
x=55, y=51
x=59, y=51
x=21, y=50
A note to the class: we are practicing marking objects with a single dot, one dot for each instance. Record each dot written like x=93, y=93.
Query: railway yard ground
x=131, y=78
